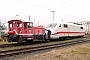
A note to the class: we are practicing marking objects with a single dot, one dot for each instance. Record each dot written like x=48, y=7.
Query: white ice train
x=64, y=30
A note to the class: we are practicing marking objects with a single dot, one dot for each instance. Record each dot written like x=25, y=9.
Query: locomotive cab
x=19, y=27
x=18, y=30
x=14, y=25
x=14, y=28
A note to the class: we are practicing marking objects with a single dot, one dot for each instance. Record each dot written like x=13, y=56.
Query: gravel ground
x=76, y=52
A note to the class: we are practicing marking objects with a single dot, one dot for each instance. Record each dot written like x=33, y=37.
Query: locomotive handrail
x=15, y=31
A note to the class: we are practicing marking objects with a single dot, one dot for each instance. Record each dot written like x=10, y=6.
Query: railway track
x=23, y=44
x=7, y=45
x=39, y=48
x=11, y=45
x=16, y=44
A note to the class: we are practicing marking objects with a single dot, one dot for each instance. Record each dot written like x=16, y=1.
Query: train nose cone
x=11, y=32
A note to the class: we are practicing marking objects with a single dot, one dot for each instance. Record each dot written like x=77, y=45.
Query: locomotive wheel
x=29, y=41
x=9, y=40
x=60, y=38
x=20, y=39
x=46, y=39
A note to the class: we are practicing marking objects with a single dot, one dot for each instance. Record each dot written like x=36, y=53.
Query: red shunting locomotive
x=19, y=31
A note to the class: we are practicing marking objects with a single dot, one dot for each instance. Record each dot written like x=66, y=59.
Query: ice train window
x=81, y=27
x=65, y=25
x=60, y=25
x=52, y=25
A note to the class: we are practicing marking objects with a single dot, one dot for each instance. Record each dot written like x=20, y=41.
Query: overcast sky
x=40, y=10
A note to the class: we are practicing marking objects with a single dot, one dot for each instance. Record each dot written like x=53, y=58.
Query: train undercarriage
x=21, y=39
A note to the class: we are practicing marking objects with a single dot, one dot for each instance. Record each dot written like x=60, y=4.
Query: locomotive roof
x=15, y=20
x=20, y=21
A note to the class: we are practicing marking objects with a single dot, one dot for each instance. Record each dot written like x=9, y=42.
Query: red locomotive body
x=20, y=31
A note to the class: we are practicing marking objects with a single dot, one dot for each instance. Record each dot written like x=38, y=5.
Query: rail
x=39, y=48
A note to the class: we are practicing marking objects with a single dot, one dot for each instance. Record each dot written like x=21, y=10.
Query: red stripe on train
x=68, y=33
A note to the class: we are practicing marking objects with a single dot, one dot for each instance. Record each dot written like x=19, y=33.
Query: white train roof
x=68, y=23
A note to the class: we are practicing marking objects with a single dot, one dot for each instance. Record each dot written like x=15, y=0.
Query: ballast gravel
x=75, y=52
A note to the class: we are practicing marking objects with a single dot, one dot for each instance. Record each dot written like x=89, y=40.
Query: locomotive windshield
x=10, y=24
x=30, y=25
x=52, y=25
x=19, y=24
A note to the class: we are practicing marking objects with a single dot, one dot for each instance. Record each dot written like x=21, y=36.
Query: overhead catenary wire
x=34, y=4
x=68, y=9
x=74, y=7
x=81, y=4
x=51, y=9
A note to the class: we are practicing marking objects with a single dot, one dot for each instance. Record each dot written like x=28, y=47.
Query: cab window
x=30, y=25
x=10, y=24
x=25, y=26
x=19, y=24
